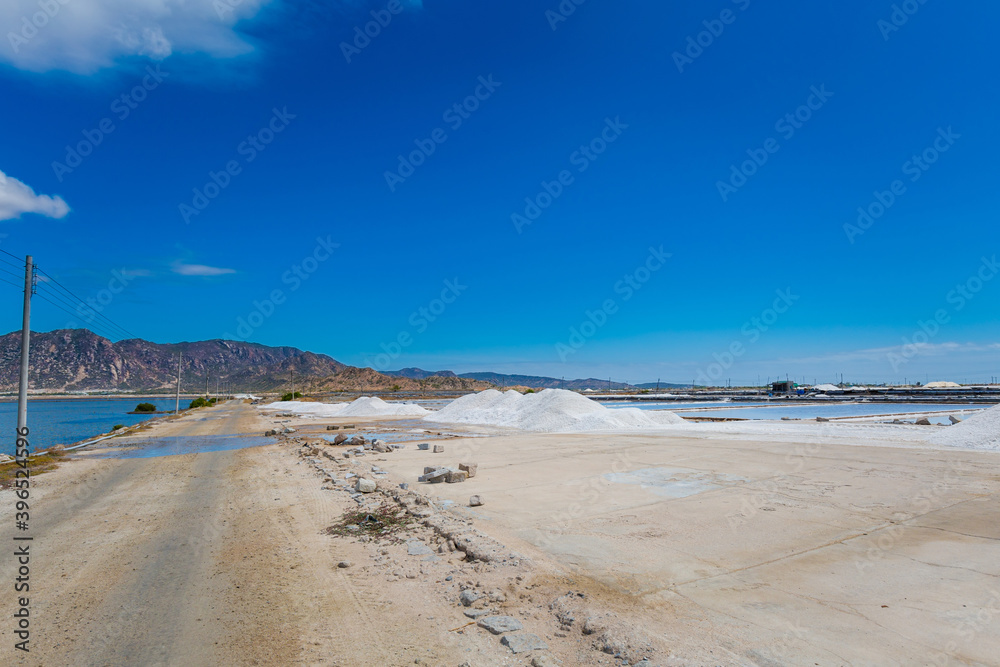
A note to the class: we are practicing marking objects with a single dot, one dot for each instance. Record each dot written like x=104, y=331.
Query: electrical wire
x=79, y=300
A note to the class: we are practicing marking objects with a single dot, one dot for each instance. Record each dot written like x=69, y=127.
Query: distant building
x=785, y=387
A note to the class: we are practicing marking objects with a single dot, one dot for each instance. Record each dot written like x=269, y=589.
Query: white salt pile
x=551, y=410
x=980, y=431
x=366, y=406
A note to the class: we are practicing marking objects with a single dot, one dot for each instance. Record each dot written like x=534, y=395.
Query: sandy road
x=203, y=559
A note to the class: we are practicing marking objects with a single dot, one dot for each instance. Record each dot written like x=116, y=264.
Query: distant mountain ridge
x=69, y=360
x=513, y=380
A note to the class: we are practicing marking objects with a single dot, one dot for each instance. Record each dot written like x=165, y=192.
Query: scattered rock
x=953, y=419
x=423, y=446
x=470, y=468
x=339, y=439
x=468, y=597
x=923, y=421
x=332, y=428
x=344, y=564
x=288, y=429
x=524, y=642
x=475, y=501
x=404, y=486
x=822, y=419
x=544, y=661
x=456, y=476
x=500, y=624
x=434, y=476
x=592, y=625
x=438, y=449
x=365, y=486
x=348, y=426
x=477, y=613
x=269, y=433
x=417, y=548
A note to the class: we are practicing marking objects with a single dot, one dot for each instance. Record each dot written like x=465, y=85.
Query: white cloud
x=83, y=36
x=199, y=270
x=17, y=198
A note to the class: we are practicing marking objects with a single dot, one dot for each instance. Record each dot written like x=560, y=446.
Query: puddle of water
x=172, y=446
x=674, y=482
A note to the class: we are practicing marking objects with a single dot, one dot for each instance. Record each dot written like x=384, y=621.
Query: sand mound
x=980, y=431
x=366, y=406
x=551, y=410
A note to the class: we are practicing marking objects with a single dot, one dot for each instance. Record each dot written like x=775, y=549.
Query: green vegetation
x=201, y=403
x=145, y=407
x=289, y=397
x=117, y=426
x=38, y=464
x=395, y=387
x=530, y=391
x=383, y=522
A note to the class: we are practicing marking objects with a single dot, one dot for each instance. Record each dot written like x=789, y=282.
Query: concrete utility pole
x=177, y=406
x=22, y=390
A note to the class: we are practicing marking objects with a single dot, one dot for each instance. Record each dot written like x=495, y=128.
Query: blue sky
x=622, y=131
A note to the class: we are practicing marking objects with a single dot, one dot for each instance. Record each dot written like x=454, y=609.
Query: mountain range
x=505, y=380
x=69, y=360
x=77, y=360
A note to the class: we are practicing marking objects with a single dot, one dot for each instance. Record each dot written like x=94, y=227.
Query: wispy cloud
x=17, y=198
x=84, y=36
x=199, y=270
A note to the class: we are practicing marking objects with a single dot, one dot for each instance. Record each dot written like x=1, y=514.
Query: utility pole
x=22, y=391
x=177, y=405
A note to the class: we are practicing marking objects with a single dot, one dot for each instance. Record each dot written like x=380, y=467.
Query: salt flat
x=795, y=551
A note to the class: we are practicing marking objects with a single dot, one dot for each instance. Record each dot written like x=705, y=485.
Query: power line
x=120, y=333
x=111, y=325
x=101, y=329
x=104, y=317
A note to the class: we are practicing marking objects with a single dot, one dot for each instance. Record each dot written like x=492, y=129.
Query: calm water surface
x=63, y=422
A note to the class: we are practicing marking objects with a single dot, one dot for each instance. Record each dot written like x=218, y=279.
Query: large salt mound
x=366, y=406
x=375, y=407
x=551, y=410
x=980, y=431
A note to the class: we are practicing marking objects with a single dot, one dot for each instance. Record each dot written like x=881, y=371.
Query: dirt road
x=203, y=559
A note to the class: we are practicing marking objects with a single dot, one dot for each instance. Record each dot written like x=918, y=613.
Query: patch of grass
x=384, y=522
x=37, y=464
